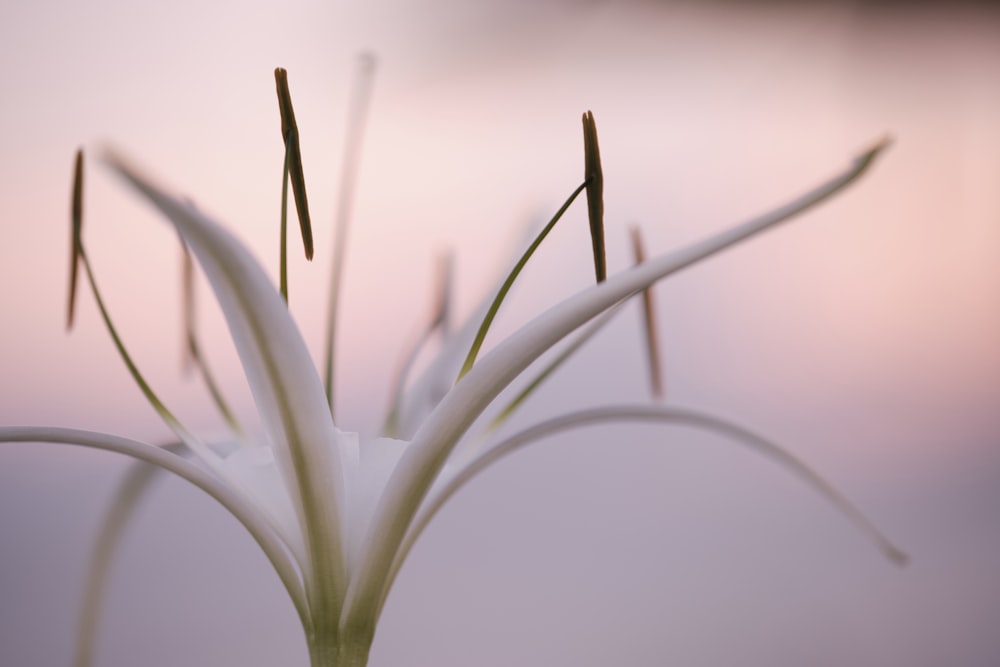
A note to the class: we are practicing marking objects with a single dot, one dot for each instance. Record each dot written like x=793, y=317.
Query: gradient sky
x=863, y=336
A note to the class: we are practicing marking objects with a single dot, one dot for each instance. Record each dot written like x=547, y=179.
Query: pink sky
x=864, y=336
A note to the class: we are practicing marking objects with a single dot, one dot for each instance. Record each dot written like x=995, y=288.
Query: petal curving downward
x=640, y=413
x=237, y=505
x=282, y=377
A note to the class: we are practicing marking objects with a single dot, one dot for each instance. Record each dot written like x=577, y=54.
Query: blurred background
x=863, y=336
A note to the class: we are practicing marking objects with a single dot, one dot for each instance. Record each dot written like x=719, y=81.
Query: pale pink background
x=865, y=336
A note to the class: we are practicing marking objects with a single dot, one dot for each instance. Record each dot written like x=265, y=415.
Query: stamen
x=439, y=320
x=649, y=318
x=79, y=256
x=76, y=217
x=193, y=356
x=442, y=308
x=187, y=307
x=293, y=157
x=356, y=118
x=594, y=176
x=470, y=359
x=133, y=370
x=283, y=251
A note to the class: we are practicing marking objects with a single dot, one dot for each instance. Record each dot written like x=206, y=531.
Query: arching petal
x=132, y=488
x=275, y=550
x=641, y=413
x=434, y=441
x=282, y=377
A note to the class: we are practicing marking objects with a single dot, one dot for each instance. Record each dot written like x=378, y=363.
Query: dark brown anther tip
x=290, y=136
x=76, y=218
x=594, y=177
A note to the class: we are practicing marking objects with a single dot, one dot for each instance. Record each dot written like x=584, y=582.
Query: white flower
x=337, y=516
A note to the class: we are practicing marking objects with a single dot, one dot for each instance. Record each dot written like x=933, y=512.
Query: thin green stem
x=477, y=343
x=133, y=370
x=192, y=349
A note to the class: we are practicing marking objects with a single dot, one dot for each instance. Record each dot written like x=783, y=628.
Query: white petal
x=434, y=441
x=368, y=467
x=453, y=479
x=255, y=472
x=236, y=503
x=281, y=374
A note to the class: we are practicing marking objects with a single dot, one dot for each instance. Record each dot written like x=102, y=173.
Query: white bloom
x=337, y=516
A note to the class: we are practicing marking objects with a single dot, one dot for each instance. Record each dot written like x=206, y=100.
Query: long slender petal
x=640, y=413
x=244, y=511
x=432, y=444
x=133, y=487
x=283, y=380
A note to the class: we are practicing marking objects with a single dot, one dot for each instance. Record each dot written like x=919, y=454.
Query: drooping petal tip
x=865, y=160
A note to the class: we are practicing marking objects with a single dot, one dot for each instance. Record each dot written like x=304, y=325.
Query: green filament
x=470, y=359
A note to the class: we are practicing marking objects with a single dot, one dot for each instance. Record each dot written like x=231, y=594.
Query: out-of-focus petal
x=281, y=374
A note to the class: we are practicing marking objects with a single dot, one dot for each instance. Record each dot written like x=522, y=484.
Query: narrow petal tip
x=367, y=61
x=865, y=160
x=898, y=558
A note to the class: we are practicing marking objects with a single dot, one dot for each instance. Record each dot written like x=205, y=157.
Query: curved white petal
x=443, y=492
x=255, y=472
x=282, y=377
x=437, y=436
x=368, y=467
x=437, y=378
x=133, y=487
x=275, y=550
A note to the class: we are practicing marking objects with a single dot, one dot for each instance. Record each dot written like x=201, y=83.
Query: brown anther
x=649, y=316
x=290, y=136
x=76, y=217
x=594, y=176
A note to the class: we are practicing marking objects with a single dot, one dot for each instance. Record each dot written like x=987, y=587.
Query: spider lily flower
x=336, y=515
